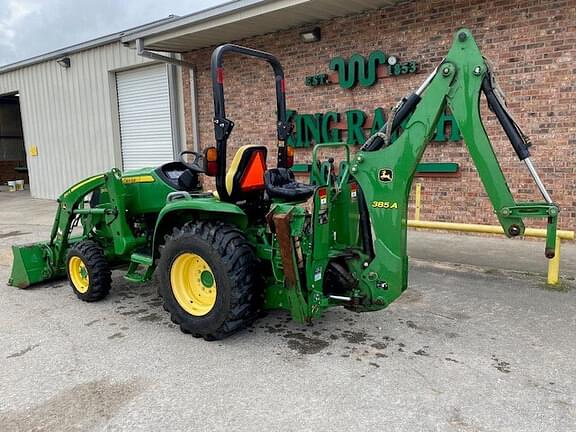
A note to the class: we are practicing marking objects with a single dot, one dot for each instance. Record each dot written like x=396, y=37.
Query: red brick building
x=532, y=45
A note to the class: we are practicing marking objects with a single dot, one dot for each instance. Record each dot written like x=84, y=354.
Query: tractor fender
x=176, y=213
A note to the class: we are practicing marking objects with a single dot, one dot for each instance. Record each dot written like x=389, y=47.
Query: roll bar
x=223, y=126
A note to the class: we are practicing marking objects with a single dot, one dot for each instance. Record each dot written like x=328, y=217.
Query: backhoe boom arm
x=385, y=170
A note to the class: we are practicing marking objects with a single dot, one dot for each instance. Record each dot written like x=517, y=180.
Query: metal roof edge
x=219, y=11
x=83, y=46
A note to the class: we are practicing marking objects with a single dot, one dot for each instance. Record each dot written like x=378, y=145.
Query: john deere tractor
x=262, y=240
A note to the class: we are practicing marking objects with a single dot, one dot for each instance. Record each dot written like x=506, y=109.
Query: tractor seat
x=177, y=175
x=280, y=183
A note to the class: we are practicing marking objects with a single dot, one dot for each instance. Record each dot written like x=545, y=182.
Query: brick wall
x=531, y=43
x=8, y=172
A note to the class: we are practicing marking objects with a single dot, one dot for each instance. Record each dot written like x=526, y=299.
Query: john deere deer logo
x=385, y=175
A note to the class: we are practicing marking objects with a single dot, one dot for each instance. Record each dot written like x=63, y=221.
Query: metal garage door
x=145, y=122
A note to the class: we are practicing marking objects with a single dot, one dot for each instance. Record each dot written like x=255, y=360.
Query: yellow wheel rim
x=78, y=274
x=193, y=284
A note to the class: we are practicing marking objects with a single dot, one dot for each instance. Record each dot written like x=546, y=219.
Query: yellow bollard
x=417, y=200
x=554, y=265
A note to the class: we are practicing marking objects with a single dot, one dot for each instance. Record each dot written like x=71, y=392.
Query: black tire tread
x=240, y=262
x=100, y=274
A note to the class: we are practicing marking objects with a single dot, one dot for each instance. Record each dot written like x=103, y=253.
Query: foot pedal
x=140, y=269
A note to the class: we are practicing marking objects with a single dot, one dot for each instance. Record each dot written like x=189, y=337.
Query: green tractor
x=263, y=240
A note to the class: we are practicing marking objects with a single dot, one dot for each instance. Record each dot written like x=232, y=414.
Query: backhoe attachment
x=385, y=168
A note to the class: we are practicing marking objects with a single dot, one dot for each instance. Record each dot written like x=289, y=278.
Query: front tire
x=208, y=279
x=88, y=271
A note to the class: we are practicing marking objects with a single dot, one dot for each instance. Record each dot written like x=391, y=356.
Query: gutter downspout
x=193, y=108
x=141, y=51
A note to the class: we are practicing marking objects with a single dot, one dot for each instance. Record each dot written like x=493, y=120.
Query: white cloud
x=33, y=27
x=16, y=12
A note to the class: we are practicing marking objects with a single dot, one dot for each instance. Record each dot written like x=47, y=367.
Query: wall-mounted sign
x=360, y=70
x=310, y=129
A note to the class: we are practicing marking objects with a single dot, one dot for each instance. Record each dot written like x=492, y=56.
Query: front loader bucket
x=30, y=265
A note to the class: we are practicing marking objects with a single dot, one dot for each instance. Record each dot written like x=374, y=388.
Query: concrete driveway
x=464, y=349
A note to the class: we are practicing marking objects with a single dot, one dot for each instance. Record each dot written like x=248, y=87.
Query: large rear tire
x=208, y=279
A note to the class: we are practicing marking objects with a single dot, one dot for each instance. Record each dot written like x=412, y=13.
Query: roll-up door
x=145, y=121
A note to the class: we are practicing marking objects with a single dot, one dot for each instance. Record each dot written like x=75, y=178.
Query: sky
x=32, y=27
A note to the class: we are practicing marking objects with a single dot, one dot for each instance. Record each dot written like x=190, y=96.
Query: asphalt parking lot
x=464, y=349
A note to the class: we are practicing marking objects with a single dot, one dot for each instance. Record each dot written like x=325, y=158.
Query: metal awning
x=245, y=18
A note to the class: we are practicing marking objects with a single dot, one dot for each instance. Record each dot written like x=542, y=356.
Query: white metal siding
x=69, y=115
x=145, y=121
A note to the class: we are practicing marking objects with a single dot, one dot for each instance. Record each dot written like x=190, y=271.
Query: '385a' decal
x=384, y=204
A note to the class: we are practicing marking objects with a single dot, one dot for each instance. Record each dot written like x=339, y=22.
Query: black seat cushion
x=280, y=183
x=178, y=176
x=188, y=180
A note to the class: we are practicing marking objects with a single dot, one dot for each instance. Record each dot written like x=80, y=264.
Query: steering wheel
x=197, y=164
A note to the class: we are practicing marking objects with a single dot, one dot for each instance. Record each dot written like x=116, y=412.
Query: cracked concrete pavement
x=483, y=348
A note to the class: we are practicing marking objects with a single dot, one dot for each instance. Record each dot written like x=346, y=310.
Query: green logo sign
x=311, y=129
x=360, y=70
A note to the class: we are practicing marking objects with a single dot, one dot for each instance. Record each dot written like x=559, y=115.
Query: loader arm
x=385, y=170
x=39, y=262
x=70, y=205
